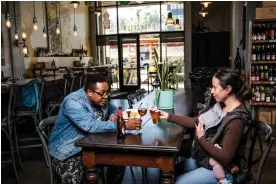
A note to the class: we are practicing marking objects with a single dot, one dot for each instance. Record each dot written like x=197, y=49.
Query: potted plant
x=166, y=72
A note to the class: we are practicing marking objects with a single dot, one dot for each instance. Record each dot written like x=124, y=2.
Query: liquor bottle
x=263, y=55
x=259, y=34
x=263, y=27
x=261, y=71
x=270, y=73
x=253, y=55
x=272, y=31
x=262, y=97
x=254, y=33
x=258, y=53
x=237, y=61
x=267, y=32
x=267, y=54
x=265, y=73
x=267, y=94
x=257, y=73
x=253, y=78
x=274, y=73
x=257, y=94
x=253, y=99
x=120, y=124
x=274, y=94
x=273, y=56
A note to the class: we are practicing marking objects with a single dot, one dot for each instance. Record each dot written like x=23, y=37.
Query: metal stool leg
x=12, y=155
x=16, y=146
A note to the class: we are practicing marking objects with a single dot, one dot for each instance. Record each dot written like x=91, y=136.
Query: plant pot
x=165, y=99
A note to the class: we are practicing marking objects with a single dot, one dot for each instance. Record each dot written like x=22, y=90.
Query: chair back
x=43, y=132
x=131, y=100
x=140, y=93
x=258, y=128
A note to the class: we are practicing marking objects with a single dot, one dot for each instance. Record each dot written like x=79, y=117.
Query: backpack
x=30, y=94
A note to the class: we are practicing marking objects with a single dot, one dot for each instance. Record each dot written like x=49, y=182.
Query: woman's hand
x=164, y=114
x=200, y=129
x=113, y=117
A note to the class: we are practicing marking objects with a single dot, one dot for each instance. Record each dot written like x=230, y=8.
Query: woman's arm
x=229, y=143
x=185, y=121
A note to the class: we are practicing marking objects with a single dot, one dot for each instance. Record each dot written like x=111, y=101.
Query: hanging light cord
x=43, y=13
x=34, y=8
x=56, y=12
x=14, y=16
x=74, y=18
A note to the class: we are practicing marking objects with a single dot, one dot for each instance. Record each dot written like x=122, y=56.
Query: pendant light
x=34, y=19
x=205, y=3
x=57, y=23
x=140, y=2
x=44, y=27
x=97, y=10
x=203, y=12
x=169, y=20
x=177, y=25
x=75, y=4
x=16, y=37
x=8, y=18
x=75, y=27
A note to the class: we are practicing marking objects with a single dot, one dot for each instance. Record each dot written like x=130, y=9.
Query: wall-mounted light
x=203, y=12
x=205, y=3
x=23, y=42
x=75, y=4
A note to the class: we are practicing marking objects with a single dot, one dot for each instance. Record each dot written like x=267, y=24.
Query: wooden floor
x=36, y=172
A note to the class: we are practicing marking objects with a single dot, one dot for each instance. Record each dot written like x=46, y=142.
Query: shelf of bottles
x=263, y=62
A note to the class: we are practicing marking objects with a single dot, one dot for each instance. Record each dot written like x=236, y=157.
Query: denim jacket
x=77, y=118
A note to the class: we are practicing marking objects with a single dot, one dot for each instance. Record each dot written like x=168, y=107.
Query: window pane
x=108, y=21
x=139, y=19
x=177, y=11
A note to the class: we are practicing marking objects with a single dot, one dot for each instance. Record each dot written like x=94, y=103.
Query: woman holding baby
x=218, y=147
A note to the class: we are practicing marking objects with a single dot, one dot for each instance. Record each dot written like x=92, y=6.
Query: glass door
x=129, y=63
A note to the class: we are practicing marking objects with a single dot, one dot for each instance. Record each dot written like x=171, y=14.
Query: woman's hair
x=232, y=77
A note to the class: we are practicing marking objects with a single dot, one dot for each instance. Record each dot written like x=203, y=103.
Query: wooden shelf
x=263, y=82
x=262, y=62
x=264, y=103
x=264, y=41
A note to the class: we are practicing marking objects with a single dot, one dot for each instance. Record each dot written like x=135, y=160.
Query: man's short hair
x=92, y=80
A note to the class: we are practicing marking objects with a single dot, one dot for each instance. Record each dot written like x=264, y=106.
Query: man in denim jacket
x=84, y=111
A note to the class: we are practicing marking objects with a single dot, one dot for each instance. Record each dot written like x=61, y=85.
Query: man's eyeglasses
x=102, y=94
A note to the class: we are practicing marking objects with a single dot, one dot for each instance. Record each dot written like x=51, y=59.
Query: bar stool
x=7, y=125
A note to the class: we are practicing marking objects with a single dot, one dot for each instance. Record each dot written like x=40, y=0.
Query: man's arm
x=84, y=120
x=112, y=109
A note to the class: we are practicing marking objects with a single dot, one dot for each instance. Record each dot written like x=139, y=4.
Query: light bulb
x=8, y=23
x=24, y=36
x=203, y=14
x=58, y=30
x=75, y=5
x=25, y=49
x=205, y=5
x=44, y=35
x=16, y=36
x=75, y=33
x=35, y=27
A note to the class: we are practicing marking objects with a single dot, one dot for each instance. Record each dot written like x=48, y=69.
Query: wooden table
x=154, y=146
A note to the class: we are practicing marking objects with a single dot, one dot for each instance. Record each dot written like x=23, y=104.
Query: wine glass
x=142, y=109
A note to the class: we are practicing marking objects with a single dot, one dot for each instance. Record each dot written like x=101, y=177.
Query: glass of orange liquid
x=142, y=110
x=155, y=114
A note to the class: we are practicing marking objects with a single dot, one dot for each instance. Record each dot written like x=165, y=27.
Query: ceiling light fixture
x=44, y=27
x=205, y=3
x=203, y=12
x=8, y=18
x=34, y=19
x=16, y=37
x=57, y=23
x=75, y=4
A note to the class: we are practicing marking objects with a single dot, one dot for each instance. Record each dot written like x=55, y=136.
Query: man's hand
x=200, y=129
x=113, y=117
x=133, y=124
x=164, y=114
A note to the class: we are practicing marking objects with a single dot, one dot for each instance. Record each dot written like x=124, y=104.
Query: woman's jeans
x=195, y=174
